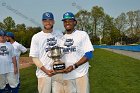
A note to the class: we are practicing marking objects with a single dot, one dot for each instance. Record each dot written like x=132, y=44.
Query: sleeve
x=87, y=45
x=22, y=48
x=88, y=55
x=37, y=62
x=34, y=52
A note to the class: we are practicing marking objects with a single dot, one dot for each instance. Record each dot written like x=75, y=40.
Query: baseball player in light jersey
x=19, y=48
x=8, y=66
x=78, y=48
x=40, y=45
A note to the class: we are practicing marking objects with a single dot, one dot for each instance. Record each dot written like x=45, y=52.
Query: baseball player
x=19, y=48
x=78, y=48
x=8, y=65
x=39, y=51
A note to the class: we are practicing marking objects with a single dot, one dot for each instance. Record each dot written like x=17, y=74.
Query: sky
x=30, y=12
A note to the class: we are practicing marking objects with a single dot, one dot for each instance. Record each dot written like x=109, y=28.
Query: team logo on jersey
x=68, y=42
x=69, y=46
x=4, y=51
x=50, y=43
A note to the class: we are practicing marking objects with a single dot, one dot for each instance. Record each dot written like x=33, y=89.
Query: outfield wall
x=135, y=48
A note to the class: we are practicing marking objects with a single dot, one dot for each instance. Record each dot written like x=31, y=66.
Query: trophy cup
x=56, y=54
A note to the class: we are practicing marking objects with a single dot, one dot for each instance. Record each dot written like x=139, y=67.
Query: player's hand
x=68, y=69
x=50, y=72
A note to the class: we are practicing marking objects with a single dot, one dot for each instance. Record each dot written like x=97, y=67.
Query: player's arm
x=84, y=59
x=22, y=48
x=40, y=65
x=14, y=61
x=15, y=64
x=88, y=50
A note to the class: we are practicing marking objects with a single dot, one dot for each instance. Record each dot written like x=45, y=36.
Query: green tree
x=97, y=13
x=106, y=29
x=2, y=25
x=84, y=22
x=20, y=27
x=83, y=18
x=121, y=22
x=137, y=23
x=114, y=35
x=131, y=19
x=9, y=23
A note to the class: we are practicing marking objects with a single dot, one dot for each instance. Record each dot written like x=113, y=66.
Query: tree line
x=22, y=33
x=99, y=25
x=124, y=29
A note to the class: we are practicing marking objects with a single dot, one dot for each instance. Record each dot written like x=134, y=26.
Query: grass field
x=109, y=73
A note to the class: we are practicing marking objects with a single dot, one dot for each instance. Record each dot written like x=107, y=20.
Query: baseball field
x=109, y=73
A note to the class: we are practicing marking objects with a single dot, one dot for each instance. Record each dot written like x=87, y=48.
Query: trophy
x=56, y=54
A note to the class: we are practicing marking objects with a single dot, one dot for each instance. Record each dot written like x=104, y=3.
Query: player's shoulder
x=37, y=35
x=17, y=44
x=80, y=32
x=8, y=44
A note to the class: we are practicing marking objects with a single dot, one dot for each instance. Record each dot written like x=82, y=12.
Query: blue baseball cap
x=47, y=15
x=1, y=32
x=4, y=32
x=10, y=34
x=68, y=15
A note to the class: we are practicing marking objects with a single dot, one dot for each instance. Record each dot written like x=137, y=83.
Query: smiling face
x=69, y=24
x=48, y=24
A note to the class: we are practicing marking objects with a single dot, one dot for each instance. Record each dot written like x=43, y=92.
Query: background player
x=8, y=65
x=19, y=48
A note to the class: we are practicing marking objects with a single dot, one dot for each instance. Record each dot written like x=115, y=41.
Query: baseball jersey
x=40, y=45
x=75, y=46
x=6, y=54
x=19, y=48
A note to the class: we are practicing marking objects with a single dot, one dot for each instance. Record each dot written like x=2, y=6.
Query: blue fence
x=135, y=48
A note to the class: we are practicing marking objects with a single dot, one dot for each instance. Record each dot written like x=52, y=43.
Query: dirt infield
x=25, y=62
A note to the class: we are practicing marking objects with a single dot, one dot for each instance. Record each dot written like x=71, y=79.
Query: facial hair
x=48, y=29
x=8, y=40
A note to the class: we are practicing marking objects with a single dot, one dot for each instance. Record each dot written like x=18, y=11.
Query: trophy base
x=59, y=67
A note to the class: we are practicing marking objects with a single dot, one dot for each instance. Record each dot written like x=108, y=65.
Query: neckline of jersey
x=72, y=32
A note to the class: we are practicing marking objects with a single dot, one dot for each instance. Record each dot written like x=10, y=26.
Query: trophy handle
x=62, y=52
x=49, y=55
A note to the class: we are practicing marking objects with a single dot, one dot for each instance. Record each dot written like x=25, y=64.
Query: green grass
x=28, y=80
x=109, y=73
x=114, y=73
